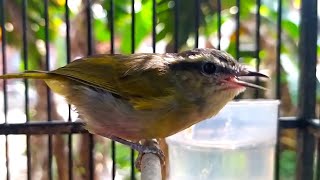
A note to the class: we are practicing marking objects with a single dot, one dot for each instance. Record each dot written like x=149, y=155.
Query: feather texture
x=123, y=75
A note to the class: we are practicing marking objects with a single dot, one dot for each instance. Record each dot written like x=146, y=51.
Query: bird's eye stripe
x=185, y=65
x=207, y=68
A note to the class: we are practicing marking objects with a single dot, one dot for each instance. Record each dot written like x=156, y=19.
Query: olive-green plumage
x=144, y=96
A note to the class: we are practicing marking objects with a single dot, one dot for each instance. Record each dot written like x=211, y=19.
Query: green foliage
x=291, y=29
x=287, y=165
x=123, y=156
x=100, y=30
x=123, y=160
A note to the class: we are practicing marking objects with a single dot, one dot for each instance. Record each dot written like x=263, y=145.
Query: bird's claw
x=153, y=148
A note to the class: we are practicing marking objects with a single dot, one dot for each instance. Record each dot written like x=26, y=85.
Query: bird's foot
x=149, y=146
x=146, y=146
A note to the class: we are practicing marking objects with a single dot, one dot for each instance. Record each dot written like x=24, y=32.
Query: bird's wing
x=138, y=78
x=97, y=72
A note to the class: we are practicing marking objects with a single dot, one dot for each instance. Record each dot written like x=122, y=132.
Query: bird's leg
x=133, y=145
x=147, y=146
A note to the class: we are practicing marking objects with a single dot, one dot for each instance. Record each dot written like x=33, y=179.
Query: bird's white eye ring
x=209, y=68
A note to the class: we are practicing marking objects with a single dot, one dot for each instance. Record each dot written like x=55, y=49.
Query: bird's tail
x=27, y=75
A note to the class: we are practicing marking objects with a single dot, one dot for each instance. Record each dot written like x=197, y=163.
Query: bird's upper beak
x=252, y=73
x=235, y=80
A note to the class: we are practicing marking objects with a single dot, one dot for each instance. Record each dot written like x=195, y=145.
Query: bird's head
x=209, y=76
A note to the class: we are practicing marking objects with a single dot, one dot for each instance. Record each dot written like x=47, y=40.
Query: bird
x=130, y=98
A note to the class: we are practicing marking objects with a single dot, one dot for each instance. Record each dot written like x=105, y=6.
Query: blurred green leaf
x=123, y=156
x=101, y=31
x=291, y=28
x=287, y=164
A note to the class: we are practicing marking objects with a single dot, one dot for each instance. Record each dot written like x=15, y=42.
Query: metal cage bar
x=307, y=86
x=219, y=23
x=238, y=5
x=176, y=25
x=258, y=48
x=111, y=27
x=90, y=51
x=26, y=82
x=133, y=25
x=196, y=23
x=47, y=67
x=278, y=90
x=4, y=70
x=68, y=60
x=154, y=24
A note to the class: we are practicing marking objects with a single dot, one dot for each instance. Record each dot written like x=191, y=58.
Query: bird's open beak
x=236, y=81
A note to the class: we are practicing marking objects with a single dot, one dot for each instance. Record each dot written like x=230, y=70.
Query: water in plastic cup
x=236, y=144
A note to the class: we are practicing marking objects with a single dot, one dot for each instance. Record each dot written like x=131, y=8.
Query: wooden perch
x=150, y=164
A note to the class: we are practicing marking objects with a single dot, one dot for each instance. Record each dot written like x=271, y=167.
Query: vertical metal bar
x=112, y=26
x=237, y=50
x=318, y=160
x=317, y=157
x=219, y=23
x=278, y=55
x=196, y=24
x=68, y=45
x=113, y=143
x=90, y=52
x=238, y=30
x=132, y=51
x=89, y=27
x=25, y=55
x=307, y=86
x=46, y=18
x=26, y=83
x=47, y=58
x=4, y=56
x=278, y=91
x=68, y=56
x=154, y=24
x=258, y=5
x=176, y=25
x=4, y=71
x=132, y=27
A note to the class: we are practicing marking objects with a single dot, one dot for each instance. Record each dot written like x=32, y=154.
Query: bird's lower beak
x=246, y=84
x=236, y=81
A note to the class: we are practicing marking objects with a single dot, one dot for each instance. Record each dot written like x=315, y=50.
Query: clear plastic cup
x=237, y=144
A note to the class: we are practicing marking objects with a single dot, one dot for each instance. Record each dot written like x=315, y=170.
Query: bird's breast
x=106, y=114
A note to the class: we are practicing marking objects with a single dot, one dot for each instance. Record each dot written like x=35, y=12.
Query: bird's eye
x=209, y=68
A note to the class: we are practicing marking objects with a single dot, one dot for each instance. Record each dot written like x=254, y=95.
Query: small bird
x=129, y=98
